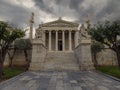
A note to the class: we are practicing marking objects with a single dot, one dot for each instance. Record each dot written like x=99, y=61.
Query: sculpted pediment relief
x=60, y=23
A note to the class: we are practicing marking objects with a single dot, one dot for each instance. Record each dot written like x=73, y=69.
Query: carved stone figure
x=39, y=32
x=84, y=33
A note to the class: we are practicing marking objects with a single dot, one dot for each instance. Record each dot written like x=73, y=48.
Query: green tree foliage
x=22, y=44
x=7, y=36
x=107, y=33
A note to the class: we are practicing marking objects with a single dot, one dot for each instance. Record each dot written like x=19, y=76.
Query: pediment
x=60, y=23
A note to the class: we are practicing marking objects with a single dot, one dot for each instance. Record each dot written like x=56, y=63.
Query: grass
x=11, y=72
x=111, y=70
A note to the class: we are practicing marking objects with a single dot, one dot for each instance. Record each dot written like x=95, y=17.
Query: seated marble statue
x=39, y=33
x=84, y=33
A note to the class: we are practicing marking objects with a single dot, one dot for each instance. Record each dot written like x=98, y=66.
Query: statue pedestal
x=38, y=55
x=86, y=58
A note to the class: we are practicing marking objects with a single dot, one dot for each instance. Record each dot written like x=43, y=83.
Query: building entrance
x=60, y=46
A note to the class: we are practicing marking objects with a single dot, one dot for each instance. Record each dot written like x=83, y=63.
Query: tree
x=108, y=33
x=95, y=48
x=25, y=45
x=11, y=52
x=7, y=36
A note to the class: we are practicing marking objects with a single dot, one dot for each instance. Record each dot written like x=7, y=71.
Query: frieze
x=60, y=23
x=60, y=28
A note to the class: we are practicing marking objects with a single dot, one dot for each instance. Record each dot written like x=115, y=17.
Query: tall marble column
x=56, y=42
x=63, y=40
x=70, y=43
x=49, y=40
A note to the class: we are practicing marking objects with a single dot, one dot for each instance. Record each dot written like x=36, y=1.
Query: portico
x=60, y=40
x=59, y=35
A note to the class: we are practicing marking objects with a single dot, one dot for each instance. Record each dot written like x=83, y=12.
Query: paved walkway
x=70, y=80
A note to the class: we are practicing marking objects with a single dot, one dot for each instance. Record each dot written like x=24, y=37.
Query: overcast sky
x=18, y=12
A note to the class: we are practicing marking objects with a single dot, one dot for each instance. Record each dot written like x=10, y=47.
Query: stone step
x=60, y=61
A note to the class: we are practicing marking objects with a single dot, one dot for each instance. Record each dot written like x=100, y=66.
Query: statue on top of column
x=88, y=21
x=32, y=18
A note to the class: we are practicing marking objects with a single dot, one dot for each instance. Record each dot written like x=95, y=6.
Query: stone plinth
x=38, y=55
x=83, y=55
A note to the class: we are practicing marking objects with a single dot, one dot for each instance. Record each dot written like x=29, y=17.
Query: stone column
x=44, y=37
x=63, y=40
x=49, y=40
x=76, y=38
x=70, y=46
x=56, y=36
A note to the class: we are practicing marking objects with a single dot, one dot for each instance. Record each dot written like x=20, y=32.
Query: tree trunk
x=118, y=57
x=27, y=60
x=94, y=58
x=2, y=59
x=11, y=58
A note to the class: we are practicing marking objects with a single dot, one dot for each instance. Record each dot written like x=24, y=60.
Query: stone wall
x=106, y=57
x=19, y=58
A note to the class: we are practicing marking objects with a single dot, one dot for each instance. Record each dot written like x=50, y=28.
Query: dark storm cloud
x=14, y=14
x=111, y=11
x=81, y=12
x=71, y=9
x=74, y=4
x=41, y=5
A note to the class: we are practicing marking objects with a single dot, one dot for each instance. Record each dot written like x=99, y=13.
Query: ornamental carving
x=39, y=32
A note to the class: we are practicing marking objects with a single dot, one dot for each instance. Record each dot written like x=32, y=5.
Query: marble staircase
x=60, y=61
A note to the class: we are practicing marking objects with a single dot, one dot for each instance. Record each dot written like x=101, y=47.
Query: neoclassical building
x=58, y=35
x=61, y=45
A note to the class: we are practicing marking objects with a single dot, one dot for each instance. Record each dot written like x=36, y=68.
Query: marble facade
x=59, y=37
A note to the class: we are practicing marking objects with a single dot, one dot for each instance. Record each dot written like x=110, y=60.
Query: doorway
x=60, y=45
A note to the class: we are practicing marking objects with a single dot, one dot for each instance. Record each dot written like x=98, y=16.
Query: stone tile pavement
x=61, y=80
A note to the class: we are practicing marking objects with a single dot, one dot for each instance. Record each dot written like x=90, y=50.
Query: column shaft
x=56, y=38
x=70, y=45
x=44, y=36
x=63, y=40
x=49, y=40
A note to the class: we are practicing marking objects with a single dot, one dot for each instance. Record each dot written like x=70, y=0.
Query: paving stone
x=73, y=81
x=59, y=83
x=118, y=87
x=51, y=88
x=102, y=88
x=77, y=88
x=68, y=87
x=64, y=80
x=59, y=88
x=107, y=81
